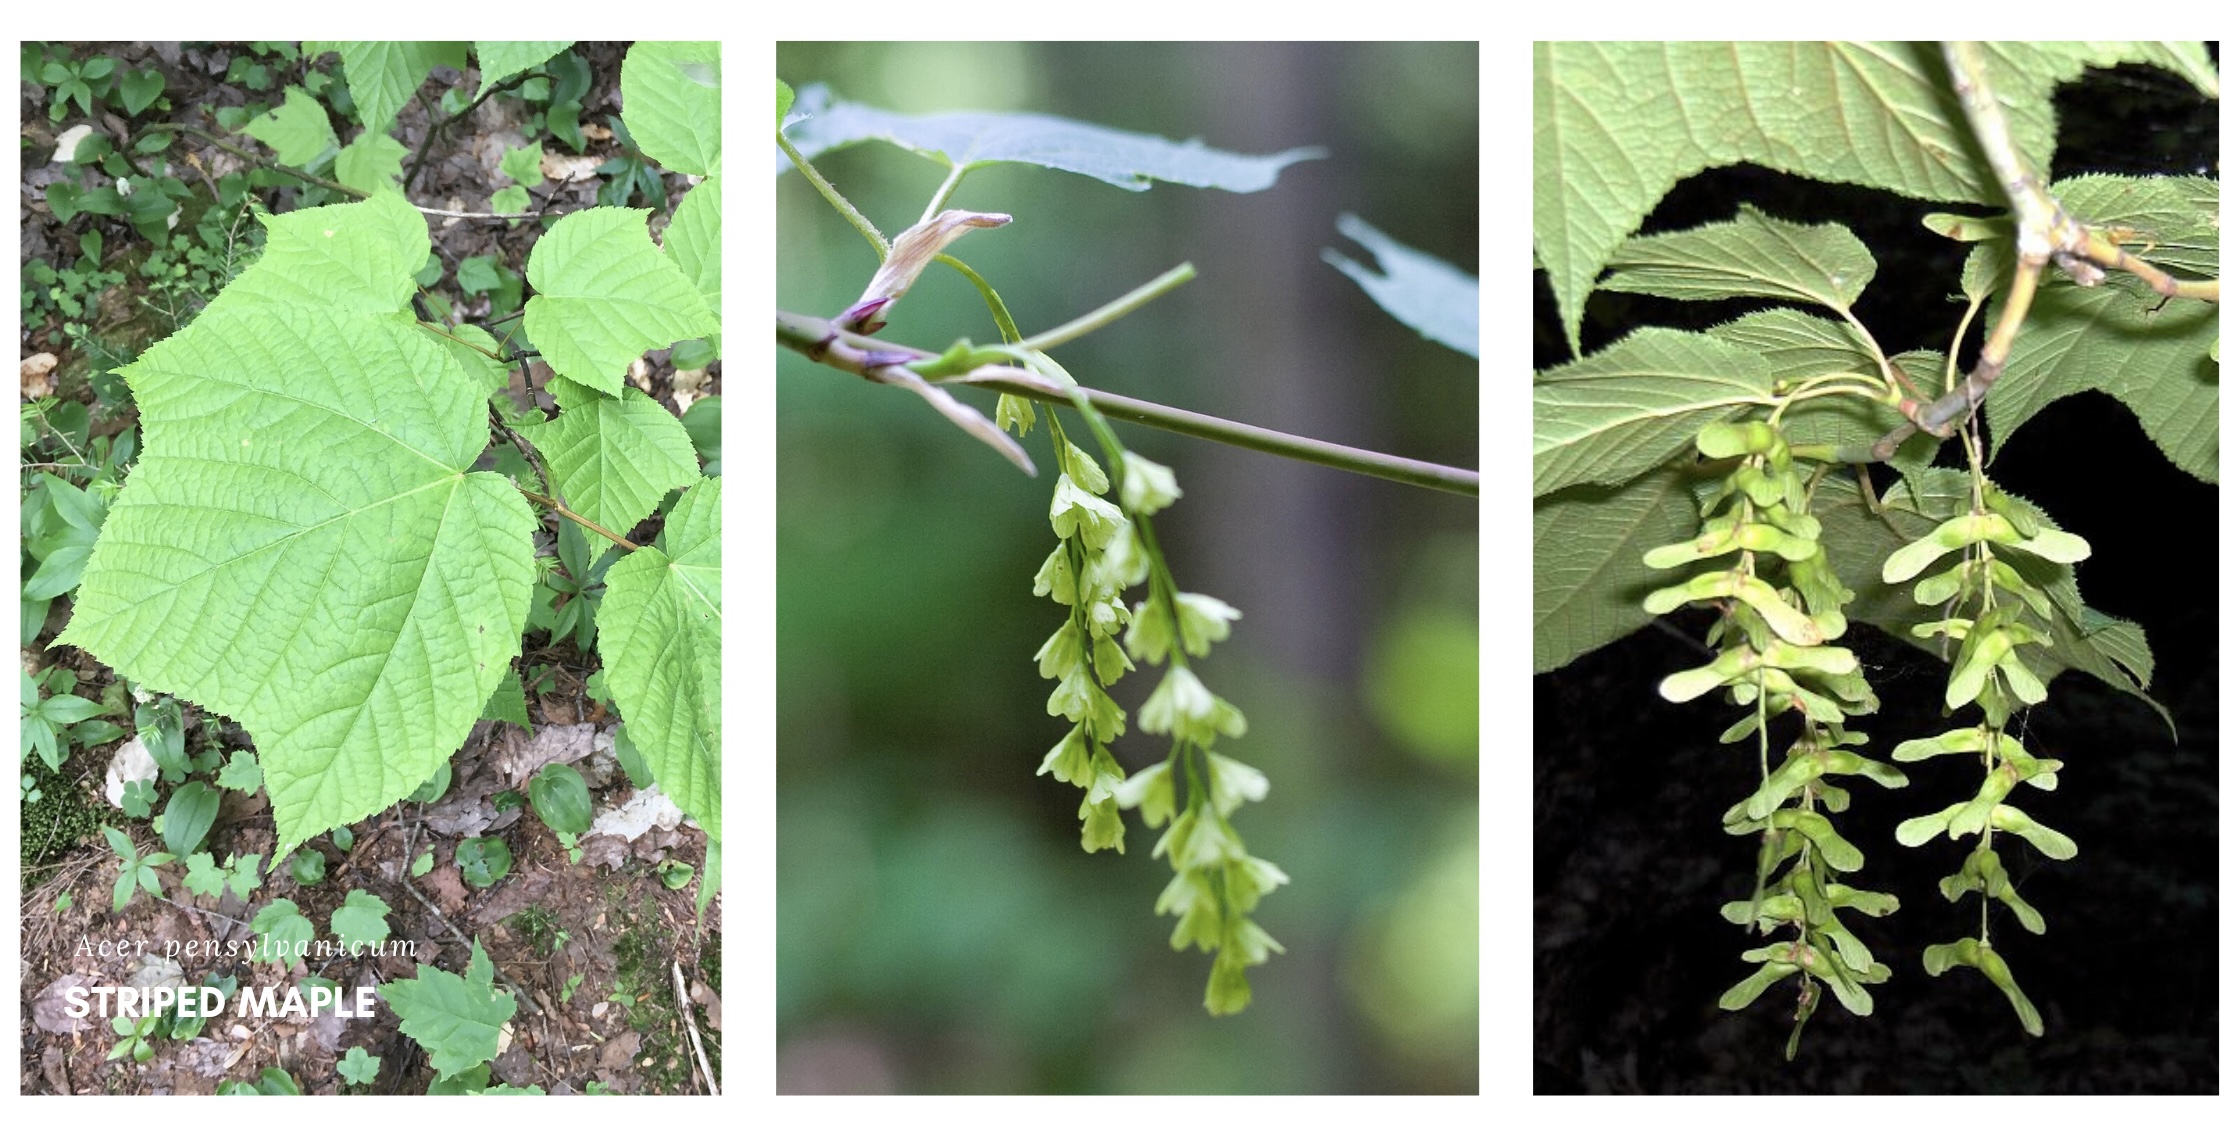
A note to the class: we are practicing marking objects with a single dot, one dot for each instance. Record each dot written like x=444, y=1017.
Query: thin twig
x=2044, y=233
x=862, y=223
x=684, y=1008
x=268, y=163
x=557, y=506
x=477, y=216
x=435, y=128
x=819, y=340
x=1169, y=280
x=941, y=195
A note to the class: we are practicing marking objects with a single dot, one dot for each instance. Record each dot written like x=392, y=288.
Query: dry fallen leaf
x=38, y=375
x=570, y=167
x=706, y=998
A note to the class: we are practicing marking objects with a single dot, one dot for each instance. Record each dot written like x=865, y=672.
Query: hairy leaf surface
x=454, y=1018
x=661, y=636
x=502, y=59
x=1801, y=348
x=301, y=547
x=1753, y=254
x=613, y=458
x=606, y=295
x=1424, y=292
x=1617, y=125
x=1607, y=418
x=672, y=100
x=1115, y=157
x=1587, y=576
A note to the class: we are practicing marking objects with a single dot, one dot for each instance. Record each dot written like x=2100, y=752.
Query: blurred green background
x=939, y=928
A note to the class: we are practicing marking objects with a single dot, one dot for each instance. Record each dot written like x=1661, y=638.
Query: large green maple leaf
x=661, y=635
x=301, y=547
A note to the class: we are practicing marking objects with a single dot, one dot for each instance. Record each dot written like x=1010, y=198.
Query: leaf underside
x=1617, y=125
x=661, y=637
x=694, y=241
x=1610, y=417
x=1587, y=576
x=1115, y=157
x=2120, y=338
x=301, y=548
x=297, y=129
x=1424, y=292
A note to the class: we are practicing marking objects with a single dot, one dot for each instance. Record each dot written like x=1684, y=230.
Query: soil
x=594, y=951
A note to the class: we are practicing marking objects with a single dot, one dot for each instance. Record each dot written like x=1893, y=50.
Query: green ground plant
x=1708, y=468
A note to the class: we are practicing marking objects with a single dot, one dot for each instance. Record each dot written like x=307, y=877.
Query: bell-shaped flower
x=1055, y=577
x=1074, y=509
x=1227, y=990
x=1122, y=564
x=1068, y=761
x=1061, y=655
x=1106, y=616
x=1234, y=783
x=1151, y=634
x=1071, y=699
x=1106, y=718
x=1202, y=620
x=1248, y=879
x=1146, y=485
x=1085, y=470
x=1191, y=899
x=1151, y=793
x=1015, y=413
x=1183, y=707
x=1111, y=662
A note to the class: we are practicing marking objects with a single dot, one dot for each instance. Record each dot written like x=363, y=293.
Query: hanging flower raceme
x=1103, y=551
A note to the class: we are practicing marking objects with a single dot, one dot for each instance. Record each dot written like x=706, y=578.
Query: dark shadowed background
x=939, y=928
x=1630, y=865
